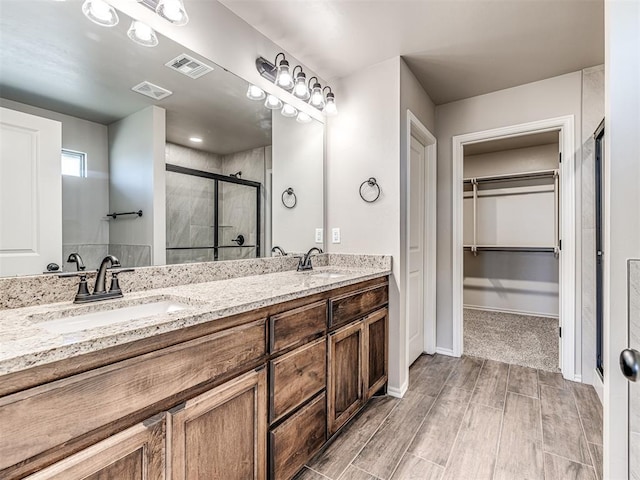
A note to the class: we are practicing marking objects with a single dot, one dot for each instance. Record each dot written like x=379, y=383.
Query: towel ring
x=373, y=183
x=291, y=200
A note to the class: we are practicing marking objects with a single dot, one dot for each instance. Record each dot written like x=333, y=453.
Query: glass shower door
x=238, y=234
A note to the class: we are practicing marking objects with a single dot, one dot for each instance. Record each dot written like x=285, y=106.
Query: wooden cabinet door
x=376, y=344
x=345, y=388
x=222, y=434
x=137, y=453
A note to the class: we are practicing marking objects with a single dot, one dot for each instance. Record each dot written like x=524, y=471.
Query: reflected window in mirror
x=74, y=164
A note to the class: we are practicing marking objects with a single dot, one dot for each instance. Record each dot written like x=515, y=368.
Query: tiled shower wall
x=592, y=115
x=190, y=204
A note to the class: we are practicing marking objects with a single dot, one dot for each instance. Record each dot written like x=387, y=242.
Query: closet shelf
x=510, y=248
x=513, y=176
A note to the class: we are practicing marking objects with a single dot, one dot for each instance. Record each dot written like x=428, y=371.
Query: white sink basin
x=110, y=317
x=328, y=275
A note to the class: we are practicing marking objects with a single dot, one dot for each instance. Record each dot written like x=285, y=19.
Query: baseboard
x=577, y=378
x=513, y=312
x=445, y=351
x=398, y=392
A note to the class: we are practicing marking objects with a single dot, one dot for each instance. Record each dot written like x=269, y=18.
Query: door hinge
x=560, y=331
x=560, y=157
x=560, y=244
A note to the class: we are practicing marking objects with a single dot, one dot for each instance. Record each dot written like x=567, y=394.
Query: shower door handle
x=629, y=364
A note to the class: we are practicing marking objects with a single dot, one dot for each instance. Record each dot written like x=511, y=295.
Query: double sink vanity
x=234, y=377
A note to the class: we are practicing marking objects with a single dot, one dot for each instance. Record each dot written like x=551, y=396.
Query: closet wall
x=513, y=213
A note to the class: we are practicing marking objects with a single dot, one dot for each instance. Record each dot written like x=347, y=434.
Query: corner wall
x=366, y=140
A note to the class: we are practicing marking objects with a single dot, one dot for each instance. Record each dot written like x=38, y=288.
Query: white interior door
x=416, y=249
x=622, y=240
x=30, y=193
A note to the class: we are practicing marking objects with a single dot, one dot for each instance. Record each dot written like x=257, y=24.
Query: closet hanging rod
x=513, y=176
x=496, y=248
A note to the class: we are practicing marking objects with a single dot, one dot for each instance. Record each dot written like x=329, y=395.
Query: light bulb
x=284, y=78
x=272, y=102
x=255, y=93
x=288, y=111
x=173, y=10
x=303, y=117
x=330, y=108
x=300, y=89
x=142, y=34
x=100, y=12
x=317, y=99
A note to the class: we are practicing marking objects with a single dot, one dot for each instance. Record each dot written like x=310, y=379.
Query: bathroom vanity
x=249, y=384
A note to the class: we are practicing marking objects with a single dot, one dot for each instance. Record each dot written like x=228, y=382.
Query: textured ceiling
x=456, y=48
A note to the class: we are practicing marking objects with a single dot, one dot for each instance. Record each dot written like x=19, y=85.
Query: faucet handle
x=83, y=289
x=115, y=284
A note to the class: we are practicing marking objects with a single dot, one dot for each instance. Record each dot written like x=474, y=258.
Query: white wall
x=85, y=201
x=137, y=174
x=364, y=141
x=592, y=115
x=553, y=97
x=297, y=162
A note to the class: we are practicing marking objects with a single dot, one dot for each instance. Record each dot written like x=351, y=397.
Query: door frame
x=567, y=230
x=417, y=129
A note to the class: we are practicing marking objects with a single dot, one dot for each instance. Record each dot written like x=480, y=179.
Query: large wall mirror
x=159, y=131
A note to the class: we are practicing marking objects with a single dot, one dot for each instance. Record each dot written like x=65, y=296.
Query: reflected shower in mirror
x=163, y=131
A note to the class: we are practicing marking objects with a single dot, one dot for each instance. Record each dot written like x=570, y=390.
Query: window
x=74, y=163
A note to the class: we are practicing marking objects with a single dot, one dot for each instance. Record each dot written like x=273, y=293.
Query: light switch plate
x=335, y=235
x=319, y=235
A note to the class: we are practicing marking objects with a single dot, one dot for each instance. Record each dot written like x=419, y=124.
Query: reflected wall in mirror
x=143, y=129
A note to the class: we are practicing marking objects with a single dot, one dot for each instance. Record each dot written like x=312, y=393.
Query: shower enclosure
x=211, y=216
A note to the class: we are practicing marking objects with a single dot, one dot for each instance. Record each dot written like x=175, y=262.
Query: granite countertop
x=25, y=343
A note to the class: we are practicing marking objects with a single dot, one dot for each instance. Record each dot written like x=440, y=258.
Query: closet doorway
x=513, y=230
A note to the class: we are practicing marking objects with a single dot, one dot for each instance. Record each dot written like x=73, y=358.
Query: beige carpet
x=519, y=339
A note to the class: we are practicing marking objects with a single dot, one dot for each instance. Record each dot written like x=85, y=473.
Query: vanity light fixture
x=100, y=12
x=142, y=34
x=173, y=10
x=288, y=111
x=303, y=117
x=300, y=87
x=330, y=108
x=195, y=139
x=272, y=102
x=255, y=93
x=316, y=99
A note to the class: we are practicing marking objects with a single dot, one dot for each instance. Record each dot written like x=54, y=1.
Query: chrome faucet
x=305, y=262
x=279, y=250
x=99, y=290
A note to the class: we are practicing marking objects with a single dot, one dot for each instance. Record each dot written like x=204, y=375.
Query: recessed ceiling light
x=195, y=139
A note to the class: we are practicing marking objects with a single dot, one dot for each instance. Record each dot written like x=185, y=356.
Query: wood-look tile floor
x=469, y=418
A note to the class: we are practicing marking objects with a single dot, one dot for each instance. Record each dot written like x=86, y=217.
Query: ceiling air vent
x=189, y=66
x=151, y=90
x=151, y=4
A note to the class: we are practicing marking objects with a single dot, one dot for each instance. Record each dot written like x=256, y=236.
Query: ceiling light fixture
x=300, y=88
x=100, y=12
x=316, y=99
x=288, y=111
x=330, y=108
x=142, y=34
x=272, y=102
x=195, y=139
x=255, y=93
x=173, y=10
x=303, y=117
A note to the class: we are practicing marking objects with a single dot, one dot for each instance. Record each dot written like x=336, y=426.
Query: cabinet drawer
x=296, y=377
x=296, y=440
x=350, y=306
x=41, y=418
x=292, y=327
